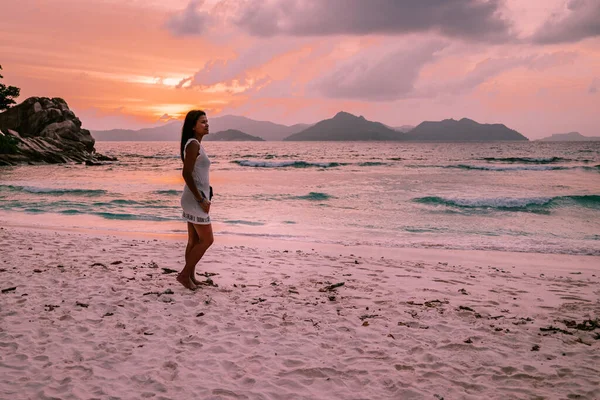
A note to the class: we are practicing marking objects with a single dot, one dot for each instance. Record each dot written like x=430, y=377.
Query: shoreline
x=540, y=261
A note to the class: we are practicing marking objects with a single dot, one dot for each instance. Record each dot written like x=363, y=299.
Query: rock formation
x=44, y=130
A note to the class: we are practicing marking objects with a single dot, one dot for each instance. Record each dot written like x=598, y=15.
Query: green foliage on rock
x=8, y=144
x=8, y=94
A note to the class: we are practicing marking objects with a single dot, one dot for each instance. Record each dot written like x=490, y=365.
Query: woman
x=195, y=201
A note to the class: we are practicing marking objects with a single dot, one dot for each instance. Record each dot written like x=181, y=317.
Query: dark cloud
x=581, y=21
x=378, y=75
x=190, y=21
x=472, y=19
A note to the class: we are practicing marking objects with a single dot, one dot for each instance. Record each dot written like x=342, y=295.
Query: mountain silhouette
x=232, y=135
x=465, y=130
x=172, y=130
x=347, y=127
x=570, y=137
x=342, y=127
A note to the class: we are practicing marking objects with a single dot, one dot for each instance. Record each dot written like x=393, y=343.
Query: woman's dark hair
x=187, y=132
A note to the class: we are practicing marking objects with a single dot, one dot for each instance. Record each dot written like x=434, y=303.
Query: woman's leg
x=185, y=277
x=205, y=240
x=193, y=240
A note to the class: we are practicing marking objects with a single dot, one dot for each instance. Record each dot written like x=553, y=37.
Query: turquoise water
x=530, y=197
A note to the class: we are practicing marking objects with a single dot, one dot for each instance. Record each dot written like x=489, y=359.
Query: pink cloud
x=378, y=74
x=593, y=89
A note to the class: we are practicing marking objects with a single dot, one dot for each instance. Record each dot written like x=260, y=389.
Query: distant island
x=232, y=135
x=465, y=130
x=263, y=129
x=346, y=127
x=171, y=132
x=570, y=137
x=342, y=127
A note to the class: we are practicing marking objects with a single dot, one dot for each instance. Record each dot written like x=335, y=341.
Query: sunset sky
x=533, y=65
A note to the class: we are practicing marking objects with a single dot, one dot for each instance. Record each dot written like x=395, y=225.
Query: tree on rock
x=8, y=94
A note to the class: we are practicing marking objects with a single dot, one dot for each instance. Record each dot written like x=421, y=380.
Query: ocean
x=518, y=196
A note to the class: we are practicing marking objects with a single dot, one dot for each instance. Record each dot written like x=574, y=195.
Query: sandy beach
x=97, y=316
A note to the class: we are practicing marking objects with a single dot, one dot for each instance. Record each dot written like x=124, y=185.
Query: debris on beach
x=168, y=291
x=169, y=271
x=413, y=325
x=429, y=303
x=586, y=325
x=209, y=281
x=553, y=329
x=363, y=317
x=580, y=340
x=207, y=274
x=332, y=287
x=523, y=321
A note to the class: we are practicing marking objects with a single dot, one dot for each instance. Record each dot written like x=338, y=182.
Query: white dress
x=192, y=212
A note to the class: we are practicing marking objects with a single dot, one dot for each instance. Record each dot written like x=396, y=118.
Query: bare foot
x=186, y=282
x=195, y=281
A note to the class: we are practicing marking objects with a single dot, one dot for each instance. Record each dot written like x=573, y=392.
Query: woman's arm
x=191, y=153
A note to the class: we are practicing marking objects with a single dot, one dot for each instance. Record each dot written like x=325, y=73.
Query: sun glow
x=173, y=110
x=234, y=87
x=172, y=81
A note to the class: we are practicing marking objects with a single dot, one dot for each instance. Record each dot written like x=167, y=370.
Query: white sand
x=79, y=325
